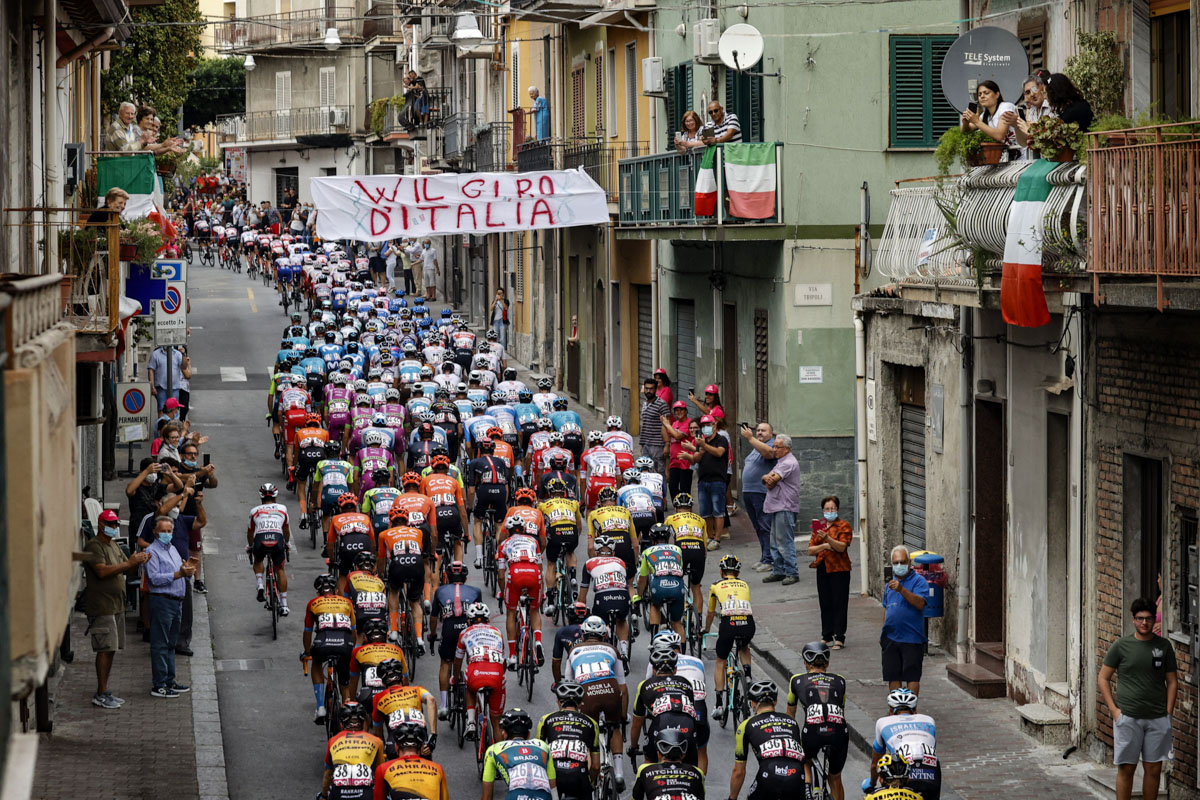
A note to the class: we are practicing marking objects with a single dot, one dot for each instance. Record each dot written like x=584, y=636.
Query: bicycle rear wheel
x=528, y=663
x=273, y=601
x=741, y=703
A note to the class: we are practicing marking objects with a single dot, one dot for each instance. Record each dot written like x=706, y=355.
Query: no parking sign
x=170, y=316
x=133, y=412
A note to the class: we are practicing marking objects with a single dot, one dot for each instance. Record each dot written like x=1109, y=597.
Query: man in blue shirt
x=541, y=114
x=903, y=637
x=167, y=576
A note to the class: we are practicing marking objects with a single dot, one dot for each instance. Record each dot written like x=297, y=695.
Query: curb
x=206, y=713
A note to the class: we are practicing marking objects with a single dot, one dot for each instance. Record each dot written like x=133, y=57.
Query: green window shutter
x=919, y=111
x=743, y=97
x=673, y=113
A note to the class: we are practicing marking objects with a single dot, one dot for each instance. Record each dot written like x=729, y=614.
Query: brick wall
x=1147, y=381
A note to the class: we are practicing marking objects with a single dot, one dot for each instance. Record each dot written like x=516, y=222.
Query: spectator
x=390, y=258
x=253, y=216
x=157, y=366
x=994, y=117
x=185, y=528
x=123, y=134
x=414, y=255
x=541, y=114
x=114, y=203
x=172, y=437
x=287, y=206
x=499, y=317
x=104, y=600
x=712, y=456
x=679, y=464
x=1036, y=107
x=759, y=462
x=430, y=270
x=416, y=100
x=167, y=575
x=723, y=127
x=377, y=265
x=688, y=135
x=270, y=218
x=1147, y=685
x=145, y=493
x=783, y=504
x=903, y=638
x=171, y=413
x=830, y=543
x=711, y=402
x=205, y=478
x=1066, y=101
x=185, y=384
x=650, y=434
x=147, y=120
x=730, y=506
x=663, y=382
x=310, y=225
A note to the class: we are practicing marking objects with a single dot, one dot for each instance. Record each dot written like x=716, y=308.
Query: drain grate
x=240, y=664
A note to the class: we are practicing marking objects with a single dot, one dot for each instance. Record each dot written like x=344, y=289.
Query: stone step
x=990, y=656
x=1104, y=781
x=1058, y=697
x=977, y=681
x=1045, y=724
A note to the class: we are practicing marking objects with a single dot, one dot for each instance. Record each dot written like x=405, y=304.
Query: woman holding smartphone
x=830, y=543
x=688, y=136
x=991, y=115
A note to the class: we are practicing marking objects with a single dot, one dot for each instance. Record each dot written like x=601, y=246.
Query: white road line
x=233, y=374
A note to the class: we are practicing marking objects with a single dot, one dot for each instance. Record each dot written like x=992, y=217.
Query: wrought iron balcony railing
x=421, y=112
x=540, y=154
x=492, y=152
x=288, y=29
x=266, y=126
x=601, y=160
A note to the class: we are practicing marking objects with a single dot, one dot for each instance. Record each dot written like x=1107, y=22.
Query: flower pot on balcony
x=989, y=153
x=64, y=290
x=1064, y=156
x=128, y=251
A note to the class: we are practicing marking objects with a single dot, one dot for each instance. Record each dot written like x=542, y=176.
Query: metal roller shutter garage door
x=912, y=475
x=685, y=347
x=645, y=334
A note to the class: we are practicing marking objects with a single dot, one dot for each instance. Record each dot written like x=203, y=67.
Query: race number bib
x=353, y=775
x=372, y=602
x=371, y=678
x=333, y=479
x=781, y=747
x=328, y=622
x=569, y=750
x=481, y=655
x=735, y=607
x=528, y=775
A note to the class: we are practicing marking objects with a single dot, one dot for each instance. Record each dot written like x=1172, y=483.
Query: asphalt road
x=272, y=747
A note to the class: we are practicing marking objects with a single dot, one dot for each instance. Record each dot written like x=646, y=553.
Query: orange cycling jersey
x=419, y=509
x=353, y=748
x=410, y=777
x=442, y=490
x=399, y=698
x=349, y=523
x=404, y=540
x=370, y=655
x=504, y=451
x=311, y=437
x=534, y=521
x=329, y=612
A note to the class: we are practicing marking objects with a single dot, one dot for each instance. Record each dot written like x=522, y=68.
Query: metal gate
x=685, y=346
x=645, y=334
x=912, y=475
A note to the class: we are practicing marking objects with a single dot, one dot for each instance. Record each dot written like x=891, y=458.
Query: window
x=743, y=97
x=631, y=93
x=1033, y=39
x=599, y=95
x=679, y=99
x=1142, y=519
x=1187, y=579
x=328, y=87
x=920, y=113
x=283, y=105
x=516, y=78
x=519, y=267
x=1171, y=58
x=611, y=94
x=578, y=111
x=761, y=385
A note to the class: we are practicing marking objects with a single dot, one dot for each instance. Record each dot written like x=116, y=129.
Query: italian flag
x=706, y=184
x=1022, y=299
x=750, y=179
x=135, y=174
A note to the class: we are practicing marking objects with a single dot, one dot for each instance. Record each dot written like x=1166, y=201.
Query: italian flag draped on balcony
x=1022, y=298
x=706, y=184
x=136, y=175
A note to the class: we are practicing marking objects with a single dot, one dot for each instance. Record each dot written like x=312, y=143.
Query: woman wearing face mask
x=830, y=543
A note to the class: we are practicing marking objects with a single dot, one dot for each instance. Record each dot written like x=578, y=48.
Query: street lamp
x=332, y=40
x=249, y=64
x=466, y=30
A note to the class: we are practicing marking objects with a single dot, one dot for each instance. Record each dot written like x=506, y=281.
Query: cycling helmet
x=461, y=388
x=410, y=732
x=409, y=348
x=682, y=500
x=426, y=373
x=556, y=486
x=494, y=432
x=347, y=500
x=325, y=583
x=457, y=572
x=351, y=344
x=525, y=496
x=268, y=490
x=333, y=449
x=516, y=723
x=545, y=384
x=375, y=629
x=902, y=698
x=663, y=658
x=378, y=421
x=614, y=422
x=560, y=404
x=577, y=613
x=593, y=627
x=352, y=715
x=660, y=533
x=668, y=637
x=297, y=317
x=485, y=446
x=556, y=437
x=390, y=671
x=644, y=463
x=441, y=393
x=672, y=744
x=491, y=336
x=510, y=374
x=545, y=424
x=479, y=404
x=763, y=692
x=604, y=542
x=632, y=475
x=420, y=301
x=480, y=363
x=392, y=395
x=498, y=398
x=374, y=375
x=447, y=312
x=410, y=479
x=425, y=416
x=479, y=610
x=364, y=561
x=595, y=437
x=731, y=563
x=607, y=494
x=398, y=515
x=515, y=525
x=525, y=396
x=310, y=352
x=815, y=653
x=483, y=349
x=569, y=693
x=474, y=377
x=425, y=430
x=892, y=767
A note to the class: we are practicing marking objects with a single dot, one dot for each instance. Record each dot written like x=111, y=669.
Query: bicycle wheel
x=741, y=703
x=528, y=663
x=333, y=703
x=606, y=786
x=458, y=713
x=272, y=601
x=483, y=733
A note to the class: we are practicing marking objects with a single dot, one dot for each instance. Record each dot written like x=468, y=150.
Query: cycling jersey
x=560, y=513
x=410, y=778
x=573, y=739
x=335, y=476
x=894, y=793
x=532, y=518
x=691, y=668
x=330, y=619
x=352, y=757
x=731, y=597
x=442, y=490
x=269, y=519
x=364, y=662
x=368, y=594
x=524, y=764
x=668, y=781
x=774, y=739
x=687, y=527
x=419, y=509
x=450, y=603
x=598, y=462
x=618, y=441
x=662, y=566
x=349, y=534
x=914, y=738
x=611, y=520
x=394, y=704
x=820, y=699
x=564, y=639
x=377, y=503
x=482, y=647
x=520, y=547
x=593, y=662
x=404, y=549
x=665, y=694
x=520, y=557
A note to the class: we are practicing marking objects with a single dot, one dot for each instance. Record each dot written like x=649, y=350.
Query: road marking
x=233, y=374
x=250, y=294
x=196, y=327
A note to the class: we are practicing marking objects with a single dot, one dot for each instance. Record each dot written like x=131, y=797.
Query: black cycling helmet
x=682, y=500
x=364, y=561
x=390, y=671
x=352, y=715
x=516, y=723
x=525, y=396
x=333, y=449
x=380, y=475
x=892, y=768
x=764, y=691
x=325, y=583
x=557, y=487
x=672, y=744
x=569, y=693
x=375, y=629
x=510, y=374
x=411, y=732
x=663, y=658
x=731, y=563
x=815, y=653
x=457, y=572
x=607, y=494
x=659, y=533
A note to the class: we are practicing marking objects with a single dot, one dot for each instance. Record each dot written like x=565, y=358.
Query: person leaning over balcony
x=1067, y=102
x=114, y=203
x=541, y=114
x=1033, y=91
x=725, y=127
x=123, y=134
x=147, y=120
x=994, y=116
x=688, y=135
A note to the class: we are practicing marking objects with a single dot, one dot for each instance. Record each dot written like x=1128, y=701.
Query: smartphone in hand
x=816, y=525
x=887, y=574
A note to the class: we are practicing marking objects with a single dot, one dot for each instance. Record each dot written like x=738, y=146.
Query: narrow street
x=272, y=747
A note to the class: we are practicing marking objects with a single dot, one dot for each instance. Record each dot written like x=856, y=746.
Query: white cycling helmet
x=594, y=626
x=614, y=422
x=476, y=610
x=902, y=698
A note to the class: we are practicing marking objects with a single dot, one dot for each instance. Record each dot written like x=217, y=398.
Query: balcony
x=321, y=126
x=411, y=120
x=288, y=31
x=658, y=192
x=601, y=161
x=540, y=154
x=1145, y=216
x=459, y=134
x=492, y=149
x=384, y=24
x=559, y=10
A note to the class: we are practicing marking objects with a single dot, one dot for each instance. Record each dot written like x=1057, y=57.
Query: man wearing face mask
x=903, y=638
x=104, y=600
x=206, y=478
x=430, y=271
x=167, y=575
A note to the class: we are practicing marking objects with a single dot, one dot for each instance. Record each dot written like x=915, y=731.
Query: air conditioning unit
x=706, y=35
x=339, y=117
x=652, y=77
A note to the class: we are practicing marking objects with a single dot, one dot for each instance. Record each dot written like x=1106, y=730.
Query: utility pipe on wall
x=51, y=150
x=967, y=471
x=860, y=442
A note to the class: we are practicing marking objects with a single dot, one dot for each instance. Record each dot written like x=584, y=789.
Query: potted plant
x=141, y=240
x=77, y=247
x=1056, y=140
x=1098, y=70
x=966, y=148
x=1120, y=126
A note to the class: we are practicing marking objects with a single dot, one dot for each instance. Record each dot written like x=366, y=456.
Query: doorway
x=991, y=534
x=1142, y=518
x=1058, y=521
x=599, y=345
x=286, y=178
x=620, y=399
x=729, y=375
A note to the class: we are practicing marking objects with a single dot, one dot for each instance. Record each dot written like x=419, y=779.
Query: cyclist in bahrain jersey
x=774, y=738
x=328, y=635
x=893, y=774
x=522, y=763
x=351, y=758
x=670, y=778
x=408, y=776
x=821, y=695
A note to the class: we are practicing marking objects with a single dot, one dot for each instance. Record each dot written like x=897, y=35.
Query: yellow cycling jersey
x=560, y=512
x=731, y=596
x=893, y=793
x=687, y=527
x=614, y=521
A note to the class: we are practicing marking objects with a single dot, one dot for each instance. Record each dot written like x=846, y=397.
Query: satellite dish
x=741, y=47
x=983, y=54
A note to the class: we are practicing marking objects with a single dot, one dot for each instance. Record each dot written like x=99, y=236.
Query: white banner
x=375, y=208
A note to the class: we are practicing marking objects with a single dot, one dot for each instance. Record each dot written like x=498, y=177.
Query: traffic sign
x=170, y=316
x=169, y=269
x=134, y=408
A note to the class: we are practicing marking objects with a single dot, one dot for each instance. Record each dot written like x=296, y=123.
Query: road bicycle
x=606, y=781
x=186, y=250
x=526, y=652
x=406, y=630
x=491, y=569
x=274, y=603
x=565, y=588
x=483, y=727
x=314, y=513
x=207, y=259
x=737, y=701
x=818, y=787
x=333, y=693
x=693, y=633
x=457, y=716
x=614, y=640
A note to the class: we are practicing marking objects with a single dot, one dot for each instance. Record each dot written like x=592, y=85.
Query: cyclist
x=892, y=771
x=408, y=775
x=328, y=635
x=487, y=479
x=378, y=500
x=661, y=573
x=593, y=664
x=688, y=529
x=350, y=533
x=269, y=535
x=544, y=397
x=310, y=442
x=351, y=758
x=574, y=739
x=691, y=668
x=366, y=591
x=774, y=739
x=732, y=596
x=519, y=560
x=450, y=604
x=597, y=468
x=638, y=500
x=557, y=464
x=570, y=426
x=400, y=702
x=612, y=600
x=523, y=763
x=912, y=737
x=822, y=695
x=652, y=481
x=365, y=659
x=619, y=442
x=527, y=416
x=613, y=520
x=293, y=405
x=525, y=509
x=561, y=515
x=334, y=477
x=405, y=553
x=419, y=507
x=450, y=516
x=566, y=637
x=669, y=778
x=482, y=645
x=668, y=701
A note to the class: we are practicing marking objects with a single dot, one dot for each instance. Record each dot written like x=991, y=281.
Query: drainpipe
x=967, y=472
x=655, y=304
x=85, y=48
x=860, y=430
x=51, y=150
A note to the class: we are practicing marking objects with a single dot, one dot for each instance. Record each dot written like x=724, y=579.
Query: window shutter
x=516, y=79
x=762, y=402
x=578, y=118
x=943, y=115
x=920, y=113
x=1034, y=42
x=599, y=95
x=743, y=97
x=328, y=87
x=519, y=243
x=673, y=111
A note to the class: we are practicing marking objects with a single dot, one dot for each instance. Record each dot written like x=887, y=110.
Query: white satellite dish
x=741, y=47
